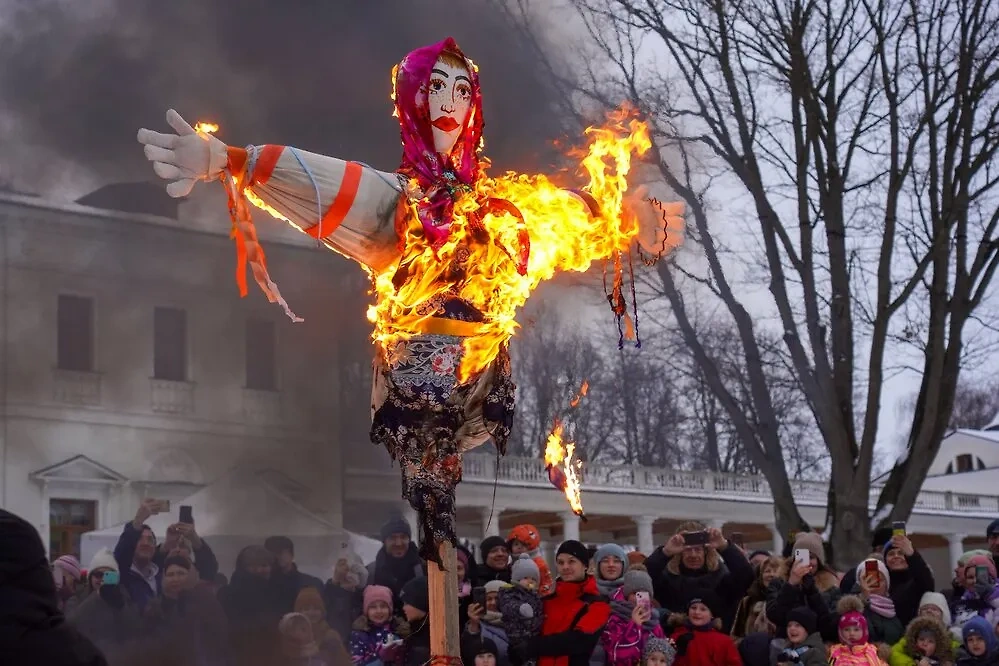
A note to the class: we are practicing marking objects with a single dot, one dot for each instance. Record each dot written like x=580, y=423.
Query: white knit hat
x=881, y=568
x=102, y=559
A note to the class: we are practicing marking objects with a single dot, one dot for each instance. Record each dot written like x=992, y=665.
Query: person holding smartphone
x=910, y=576
x=107, y=615
x=632, y=622
x=981, y=594
x=805, y=581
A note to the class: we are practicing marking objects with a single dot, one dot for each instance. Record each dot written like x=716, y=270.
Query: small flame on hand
x=206, y=128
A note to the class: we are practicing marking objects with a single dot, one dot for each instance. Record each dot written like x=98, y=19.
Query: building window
x=170, y=344
x=965, y=463
x=261, y=362
x=75, y=333
x=68, y=521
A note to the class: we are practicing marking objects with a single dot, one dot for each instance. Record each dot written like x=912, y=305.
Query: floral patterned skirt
x=427, y=420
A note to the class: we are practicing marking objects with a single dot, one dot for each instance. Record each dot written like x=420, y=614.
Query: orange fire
x=564, y=236
x=582, y=394
x=206, y=128
x=564, y=469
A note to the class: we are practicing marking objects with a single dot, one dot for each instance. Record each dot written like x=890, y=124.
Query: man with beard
x=32, y=630
x=398, y=562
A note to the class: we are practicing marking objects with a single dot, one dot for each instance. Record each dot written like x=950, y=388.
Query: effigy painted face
x=449, y=97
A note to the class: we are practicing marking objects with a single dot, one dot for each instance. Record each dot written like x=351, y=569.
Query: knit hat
x=576, y=549
x=495, y=586
x=936, y=600
x=709, y=599
x=103, y=559
x=634, y=581
x=663, y=646
x=853, y=619
x=882, y=569
x=525, y=534
x=69, y=565
x=811, y=542
x=979, y=626
x=489, y=543
x=610, y=550
x=981, y=561
x=636, y=557
x=992, y=529
x=374, y=593
x=804, y=616
x=415, y=593
x=524, y=567
x=472, y=645
x=397, y=525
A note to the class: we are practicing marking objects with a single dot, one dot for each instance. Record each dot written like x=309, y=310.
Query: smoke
x=80, y=77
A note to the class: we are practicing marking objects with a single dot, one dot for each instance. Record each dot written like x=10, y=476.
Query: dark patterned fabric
x=426, y=420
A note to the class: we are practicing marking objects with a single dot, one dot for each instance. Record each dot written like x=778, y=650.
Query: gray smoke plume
x=78, y=79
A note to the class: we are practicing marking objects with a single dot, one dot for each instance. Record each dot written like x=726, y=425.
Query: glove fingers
x=168, y=171
x=157, y=154
x=178, y=123
x=151, y=138
x=180, y=188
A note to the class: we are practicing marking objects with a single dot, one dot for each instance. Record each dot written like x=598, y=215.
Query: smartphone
x=898, y=528
x=695, y=538
x=871, y=566
x=111, y=577
x=642, y=600
x=982, y=576
x=802, y=556
x=185, y=514
x=737, y=539
x=479, y=596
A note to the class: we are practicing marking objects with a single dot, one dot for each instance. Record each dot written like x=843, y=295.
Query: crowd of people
x=699, y=600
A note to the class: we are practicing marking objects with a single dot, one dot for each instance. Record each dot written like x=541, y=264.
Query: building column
x=778, y=539
x=955, y=547
x=646, y=541
x=570, y=525
x=490, y=520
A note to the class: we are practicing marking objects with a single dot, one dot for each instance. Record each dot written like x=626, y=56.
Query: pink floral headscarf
x=438, y=177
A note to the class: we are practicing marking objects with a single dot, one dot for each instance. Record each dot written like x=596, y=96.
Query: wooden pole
x=444, y=607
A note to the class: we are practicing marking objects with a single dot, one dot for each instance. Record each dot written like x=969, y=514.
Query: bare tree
x=976, y=405
x=863, y=134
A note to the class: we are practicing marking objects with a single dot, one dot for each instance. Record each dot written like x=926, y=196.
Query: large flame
x=564, y=236
x=564, y=469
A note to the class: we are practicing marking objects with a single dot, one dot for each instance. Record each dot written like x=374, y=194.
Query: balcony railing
x=716, y=485
x=76, y=388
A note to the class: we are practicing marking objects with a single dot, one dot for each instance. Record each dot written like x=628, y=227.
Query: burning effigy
x=452, y=253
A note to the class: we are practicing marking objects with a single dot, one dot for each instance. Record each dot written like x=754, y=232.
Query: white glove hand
x=526, y=611
x=183, y=157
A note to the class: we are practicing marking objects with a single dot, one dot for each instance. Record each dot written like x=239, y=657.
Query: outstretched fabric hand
x=452, y=254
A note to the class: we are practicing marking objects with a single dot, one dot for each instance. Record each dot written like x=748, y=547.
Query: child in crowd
x=376, y=634
x=631, y=623
x=519, y=603
x=803, y=644
x=927, y=642
x=526, y=539
x=981, y=594
x=981, y=647
x=476, y=651
x=698, y=637
x=853, y=648
x=298, y=645
x=658, y=652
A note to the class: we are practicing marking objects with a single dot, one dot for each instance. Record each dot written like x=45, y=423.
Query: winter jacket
x=574, y=616
x=491, y=627
x=417, y=646
x=110, y=619
x=810, y=653
x=342, y=606
x=727, y=573
x=394, y=572
x=704, y=646
x=190, y=630
x=888, y=630
x=904, y=652
x=982, y=601
x=818, y=592
x=622, y=639
x=859, y=655
x=289, y=584
x=138, y=587
x=908, y=586
x=366, y=638
x=484, y=573
x=988, y=659
x=756, y=593
x=520, y=628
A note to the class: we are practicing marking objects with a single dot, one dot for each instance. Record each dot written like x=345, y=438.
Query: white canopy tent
x=242, y=508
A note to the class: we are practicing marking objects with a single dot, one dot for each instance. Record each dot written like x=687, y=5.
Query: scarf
x=609, y=587
x=493, y=618
x=624, y=609
x=883, y=606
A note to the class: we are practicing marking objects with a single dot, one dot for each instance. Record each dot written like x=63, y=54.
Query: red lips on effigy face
x=445, y=123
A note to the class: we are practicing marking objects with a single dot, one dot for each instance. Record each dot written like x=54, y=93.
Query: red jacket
x=575, y=614
x=709, y=647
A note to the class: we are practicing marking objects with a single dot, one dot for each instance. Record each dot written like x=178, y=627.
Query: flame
x=563, y=236
x=206, y=128
x=564, y=468
x=582, y=394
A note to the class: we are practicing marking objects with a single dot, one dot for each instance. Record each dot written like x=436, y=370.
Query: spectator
x=252, y=605
x=285, y=576
x=610, y=559
x=957, y=588
x=636, y=557
x=182, y=539
x=758, y=557
x=107, y=616
x=343, y=594
x=981, y=647
x=66, y=573
x=848, y=584
x=980, y=597
x=519, y=604
x=681, y=572
x=698, y=636
x=925, y=638
x=575, y=614
x=135, y=551
x=488, y=621
x=415, y=597
x=766, y=573
x=298, y=645
x=376, y=631
x=477, y=651
x=32, y=630
x=878, y=607
x=658, y=652
x=910, y=577
x=526, y=539
x=992, y=534
x=398, y=561
x=630, y=625
x=854, y=647
x=310, y=604
x=495, y=561
x=812, y=585
x=803, y=644
x=934, y=604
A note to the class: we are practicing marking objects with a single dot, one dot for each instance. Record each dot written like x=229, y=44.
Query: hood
x=27, y=589
x=945, y=648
